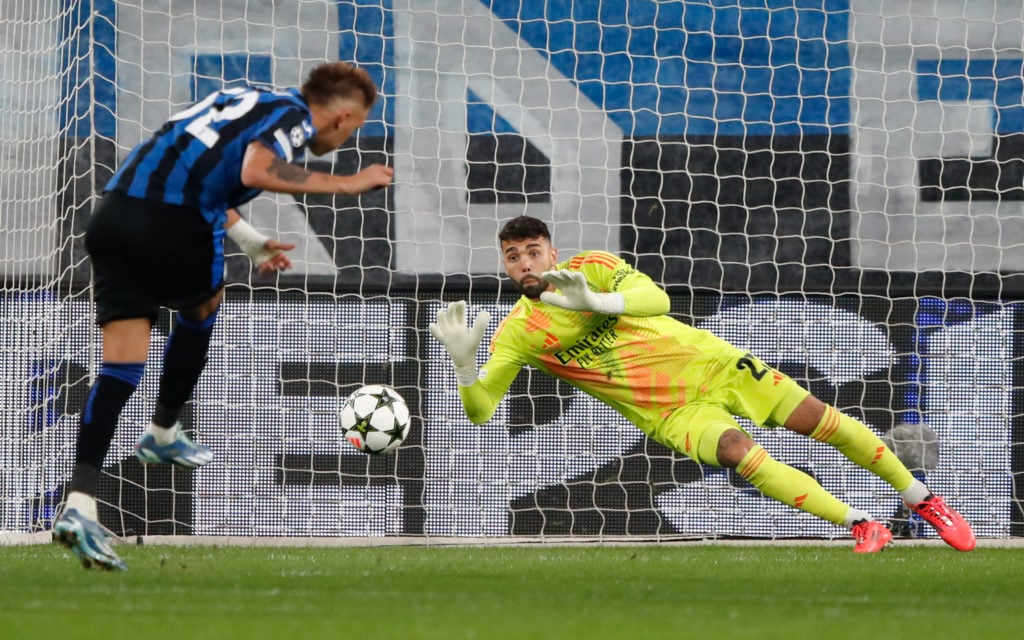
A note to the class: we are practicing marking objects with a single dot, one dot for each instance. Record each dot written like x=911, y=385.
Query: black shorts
x=146, y=255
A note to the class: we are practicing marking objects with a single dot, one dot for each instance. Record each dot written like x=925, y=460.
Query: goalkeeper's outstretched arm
x=479, y=398
x=621, y=290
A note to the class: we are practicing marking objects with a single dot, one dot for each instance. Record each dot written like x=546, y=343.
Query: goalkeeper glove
x=577, y=296
x=461, y=341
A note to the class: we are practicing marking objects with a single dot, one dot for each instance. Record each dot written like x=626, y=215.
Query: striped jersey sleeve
x=195, y=159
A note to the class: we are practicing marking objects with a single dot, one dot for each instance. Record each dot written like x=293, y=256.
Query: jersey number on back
x=242, y=101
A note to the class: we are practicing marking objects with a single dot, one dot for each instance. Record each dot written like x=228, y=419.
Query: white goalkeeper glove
x=461, y=341
x=577, y=296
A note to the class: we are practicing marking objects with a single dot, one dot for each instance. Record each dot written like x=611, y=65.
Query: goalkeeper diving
x=602, y=326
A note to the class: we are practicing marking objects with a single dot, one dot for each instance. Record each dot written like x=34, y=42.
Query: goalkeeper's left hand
x=577, y=296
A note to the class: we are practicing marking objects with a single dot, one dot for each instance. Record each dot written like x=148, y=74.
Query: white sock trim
x=916, y=492
x=83, y=503
x=163, y=435
x=856, y=515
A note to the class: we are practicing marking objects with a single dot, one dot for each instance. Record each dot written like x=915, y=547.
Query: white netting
x=834, y=185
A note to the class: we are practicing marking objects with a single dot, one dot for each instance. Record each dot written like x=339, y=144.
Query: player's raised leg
x=184, y=360
x=797, y=489
x=711, y=435
x=864, y=448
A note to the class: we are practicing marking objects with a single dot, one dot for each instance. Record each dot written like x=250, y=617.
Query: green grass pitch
x=544, y=592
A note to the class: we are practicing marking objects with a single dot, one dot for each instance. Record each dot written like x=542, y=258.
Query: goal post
x=835, y=186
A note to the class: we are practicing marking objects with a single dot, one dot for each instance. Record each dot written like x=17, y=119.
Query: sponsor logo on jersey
x=587, y=351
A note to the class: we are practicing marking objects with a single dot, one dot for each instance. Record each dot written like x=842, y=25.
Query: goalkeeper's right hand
x=461, y=341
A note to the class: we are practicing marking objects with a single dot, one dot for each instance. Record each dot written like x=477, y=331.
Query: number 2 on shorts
x=747, y=362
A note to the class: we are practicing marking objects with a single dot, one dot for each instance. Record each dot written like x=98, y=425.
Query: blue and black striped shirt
x=195, y=159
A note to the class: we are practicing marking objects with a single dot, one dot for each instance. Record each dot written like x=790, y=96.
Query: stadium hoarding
x=552, y=462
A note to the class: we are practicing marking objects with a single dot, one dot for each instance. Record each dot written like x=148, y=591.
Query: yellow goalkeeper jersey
x=642, y=363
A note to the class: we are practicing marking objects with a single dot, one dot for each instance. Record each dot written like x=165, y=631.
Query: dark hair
x=524, y=228
x=338, y=80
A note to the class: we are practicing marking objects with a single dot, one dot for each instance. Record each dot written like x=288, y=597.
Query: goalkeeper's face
x=525, y=261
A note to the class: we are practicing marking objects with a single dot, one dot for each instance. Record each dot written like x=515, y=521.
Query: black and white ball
x=375, y=419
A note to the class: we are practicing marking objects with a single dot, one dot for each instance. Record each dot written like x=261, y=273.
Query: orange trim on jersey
x=638, y=383
x=572, y=373
x=594, y=257
x=605, y=259
x=537, y=321
x=551, y=340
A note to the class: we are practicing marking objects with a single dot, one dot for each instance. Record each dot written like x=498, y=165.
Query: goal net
x=834, y=185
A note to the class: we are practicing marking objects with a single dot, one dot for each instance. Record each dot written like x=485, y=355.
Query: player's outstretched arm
x=264, y=169
x=577, y=296
x=635, y=293
x=266, y=253
x=462, y=342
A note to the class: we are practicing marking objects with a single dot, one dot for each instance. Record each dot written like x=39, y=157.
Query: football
x=375, y=419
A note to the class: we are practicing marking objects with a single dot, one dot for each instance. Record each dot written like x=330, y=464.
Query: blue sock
x=184, y=360
x=109, y=392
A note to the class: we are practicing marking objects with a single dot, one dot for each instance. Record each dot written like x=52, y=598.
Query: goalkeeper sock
x=916, y=492
x=184, y=360
x=865, y=449
x=853, y=516
x=790, y=486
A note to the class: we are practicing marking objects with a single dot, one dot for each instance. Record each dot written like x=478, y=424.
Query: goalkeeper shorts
x=746, y=388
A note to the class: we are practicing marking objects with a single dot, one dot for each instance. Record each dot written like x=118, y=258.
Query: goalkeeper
x=156, y=239
x=600, y=325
